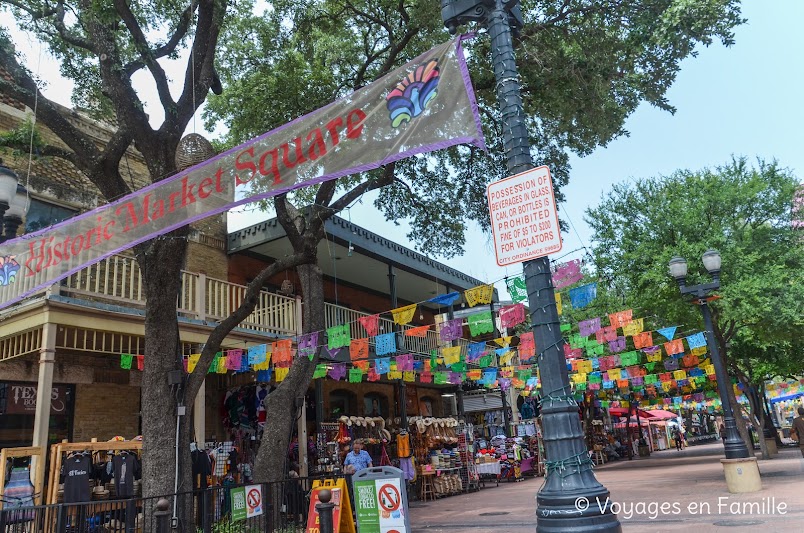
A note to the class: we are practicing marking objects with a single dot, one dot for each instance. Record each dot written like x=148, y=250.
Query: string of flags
x=612, y=357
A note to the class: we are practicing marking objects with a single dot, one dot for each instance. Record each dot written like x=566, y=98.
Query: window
x=342, y=402
x=43, y=214
x=375, y=404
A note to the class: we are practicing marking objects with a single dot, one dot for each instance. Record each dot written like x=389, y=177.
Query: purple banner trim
x=467, y=82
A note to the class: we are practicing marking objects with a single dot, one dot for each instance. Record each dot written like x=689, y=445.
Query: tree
x=743, y=211
x=585, y=66
x=101, y=46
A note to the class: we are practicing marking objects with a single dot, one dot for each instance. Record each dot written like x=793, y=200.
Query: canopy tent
x=623, y=411
x=644, y=422
x=661, y=414
x=787, y=397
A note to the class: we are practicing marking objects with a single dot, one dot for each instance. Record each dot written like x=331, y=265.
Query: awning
x=623, y=411
x=662, y=414
x=787, y=397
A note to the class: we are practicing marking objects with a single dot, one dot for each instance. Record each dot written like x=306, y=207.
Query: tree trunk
x=270, y=464
x=758, y=417
x=161, y=261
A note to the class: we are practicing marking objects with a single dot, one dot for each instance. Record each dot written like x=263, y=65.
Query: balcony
x=117, y=281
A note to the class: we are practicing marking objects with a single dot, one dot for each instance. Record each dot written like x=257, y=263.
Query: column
x=199, y=415
x=44, y=386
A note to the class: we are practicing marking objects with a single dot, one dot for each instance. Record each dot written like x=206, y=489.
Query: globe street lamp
x=733, y=444
x=14, y=202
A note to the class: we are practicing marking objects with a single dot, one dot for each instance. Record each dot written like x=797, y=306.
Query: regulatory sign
x=253, y=500
x=524, y=217
x=389, y=497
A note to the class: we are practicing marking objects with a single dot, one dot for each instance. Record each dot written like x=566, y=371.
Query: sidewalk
x=691, y=481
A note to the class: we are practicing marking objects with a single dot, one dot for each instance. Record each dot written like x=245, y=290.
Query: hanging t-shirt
x=201, y=467
x=76, y=473
x=126, y=467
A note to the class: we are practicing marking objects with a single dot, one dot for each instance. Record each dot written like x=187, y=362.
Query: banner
x=423, y=106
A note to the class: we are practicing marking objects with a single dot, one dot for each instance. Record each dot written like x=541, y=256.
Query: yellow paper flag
x=558, y=303
x=280, y=373
x=481, y=294
x=221, y=366
x=503, y=341
x=394, y=374
x=193, y=361
x=451, y=354
x=634, y=327
x=403, y=315
x=698, y=351
x=409, y=376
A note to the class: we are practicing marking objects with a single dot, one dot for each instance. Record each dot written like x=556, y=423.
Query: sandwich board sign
x=381, y=502
x=524, y=216
x=342, y=521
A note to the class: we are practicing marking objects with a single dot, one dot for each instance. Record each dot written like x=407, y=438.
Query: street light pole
x=568, y=500
x=733, y=445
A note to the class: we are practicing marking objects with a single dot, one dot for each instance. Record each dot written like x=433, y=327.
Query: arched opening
x=342, y=402
x=375, y=404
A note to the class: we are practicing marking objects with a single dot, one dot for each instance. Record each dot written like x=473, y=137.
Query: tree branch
x=287, y=214
x=170, y=46
x=359, y=190
x=199, y=75
x=23, y=88
x=218, y=335
x=144, y=49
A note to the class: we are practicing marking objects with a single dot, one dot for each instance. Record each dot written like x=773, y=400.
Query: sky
x=745, y=100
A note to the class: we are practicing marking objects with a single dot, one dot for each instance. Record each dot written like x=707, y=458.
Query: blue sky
x=744, y=100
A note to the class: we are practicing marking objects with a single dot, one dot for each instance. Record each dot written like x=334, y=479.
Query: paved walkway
x=691, y=481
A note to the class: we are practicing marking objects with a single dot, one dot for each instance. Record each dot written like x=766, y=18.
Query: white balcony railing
x=118, y=280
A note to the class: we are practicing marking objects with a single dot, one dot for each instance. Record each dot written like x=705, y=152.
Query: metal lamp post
x=14, y=203
x=733, y=444
x=571, y=499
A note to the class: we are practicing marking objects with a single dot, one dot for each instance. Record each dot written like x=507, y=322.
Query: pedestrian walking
x=677, y=437
x=797, y=431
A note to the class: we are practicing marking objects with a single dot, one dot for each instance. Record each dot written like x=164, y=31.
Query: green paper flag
x=338, y=336
x=484, y=361
x=566, y=327
x=480, y=323
x=355, y=375
x=125, y=361
x=516, y=288
x=320, y=371
x=459, y=367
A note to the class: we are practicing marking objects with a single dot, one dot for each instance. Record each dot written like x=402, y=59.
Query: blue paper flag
x=583, y=295
x=385, y=343
x=474, y=351
x=264, y=376
x=697, y=340
x=667, y=333
x=445, y=299
x=257, y=354
x=382, y=365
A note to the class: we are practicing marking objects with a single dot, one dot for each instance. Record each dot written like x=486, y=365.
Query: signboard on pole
x=524, y=216
x=380, y=501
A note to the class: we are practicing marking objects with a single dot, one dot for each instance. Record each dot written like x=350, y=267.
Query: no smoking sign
x=524, y=216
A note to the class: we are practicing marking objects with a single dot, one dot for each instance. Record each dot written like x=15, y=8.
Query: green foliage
x=744, y=212
x=585, y=66
x=24, y=135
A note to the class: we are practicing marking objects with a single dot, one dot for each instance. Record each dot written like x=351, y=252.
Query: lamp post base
x=742, y=475
x=581, y=511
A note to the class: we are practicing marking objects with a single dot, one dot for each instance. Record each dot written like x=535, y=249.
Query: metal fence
x=217, y=509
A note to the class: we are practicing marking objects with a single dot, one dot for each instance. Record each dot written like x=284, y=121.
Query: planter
x=644, y=451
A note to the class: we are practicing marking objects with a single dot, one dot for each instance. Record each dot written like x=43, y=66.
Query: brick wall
x=103, y=410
